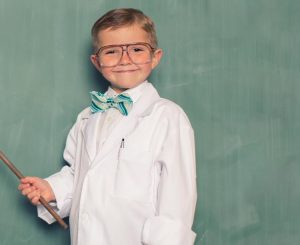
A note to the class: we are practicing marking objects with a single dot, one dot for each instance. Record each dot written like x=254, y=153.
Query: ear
x=158, y=53
x=95, y=61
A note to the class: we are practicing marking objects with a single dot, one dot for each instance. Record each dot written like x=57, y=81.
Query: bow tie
x=101, y=102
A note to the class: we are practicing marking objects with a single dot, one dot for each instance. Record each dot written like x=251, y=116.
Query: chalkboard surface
x=234, y=67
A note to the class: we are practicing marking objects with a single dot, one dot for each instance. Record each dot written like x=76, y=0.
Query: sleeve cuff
x=45, y=215
x=59, y=197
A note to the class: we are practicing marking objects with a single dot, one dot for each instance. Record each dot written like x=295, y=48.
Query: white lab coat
x=141, y=193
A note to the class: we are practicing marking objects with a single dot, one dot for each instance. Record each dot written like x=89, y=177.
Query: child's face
x=125, y=74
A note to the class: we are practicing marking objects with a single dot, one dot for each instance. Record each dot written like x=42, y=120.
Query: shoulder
x=171, y=112
x=81, y=119
x=165, y=104
x=84, y=114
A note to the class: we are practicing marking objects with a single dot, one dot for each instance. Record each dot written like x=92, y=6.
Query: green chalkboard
x=234, y=67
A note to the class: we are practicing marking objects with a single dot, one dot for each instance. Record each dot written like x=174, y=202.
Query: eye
x=111, y=51
x=138, y=49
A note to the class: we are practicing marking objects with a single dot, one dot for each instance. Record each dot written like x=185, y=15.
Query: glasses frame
x=124, y=49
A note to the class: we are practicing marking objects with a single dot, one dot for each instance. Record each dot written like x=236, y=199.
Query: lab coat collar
x=148, y=96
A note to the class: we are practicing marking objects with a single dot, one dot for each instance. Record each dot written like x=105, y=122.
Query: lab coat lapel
x=128, y=123
x=89, y=133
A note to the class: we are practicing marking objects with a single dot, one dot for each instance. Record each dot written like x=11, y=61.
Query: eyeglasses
x=138, y=53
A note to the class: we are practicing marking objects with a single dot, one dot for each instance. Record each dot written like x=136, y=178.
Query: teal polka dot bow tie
x=101, y=102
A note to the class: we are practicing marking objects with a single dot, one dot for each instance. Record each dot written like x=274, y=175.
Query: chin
x=127, y=85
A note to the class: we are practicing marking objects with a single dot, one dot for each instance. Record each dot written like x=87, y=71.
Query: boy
x=131, y=178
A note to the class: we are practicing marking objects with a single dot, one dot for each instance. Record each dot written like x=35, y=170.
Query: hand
x=34, y=187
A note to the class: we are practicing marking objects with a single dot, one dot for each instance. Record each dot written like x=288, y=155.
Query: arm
x=55, y=189
x=62, y=185
x=177, y=189
x=62, y=182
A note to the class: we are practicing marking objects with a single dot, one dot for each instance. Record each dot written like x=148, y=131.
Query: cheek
x=148, y=69
x=106, y=72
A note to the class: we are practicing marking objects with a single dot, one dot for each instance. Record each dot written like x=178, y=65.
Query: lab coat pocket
x=134, y=175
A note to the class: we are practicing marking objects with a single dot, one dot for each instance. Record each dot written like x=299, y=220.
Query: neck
x=118, y=90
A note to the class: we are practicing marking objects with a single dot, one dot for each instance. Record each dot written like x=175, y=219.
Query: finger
x=29, y=180
x=25, y=180
x=23, y=186
x=35, y=201
x=26, y=191
x=34, y=194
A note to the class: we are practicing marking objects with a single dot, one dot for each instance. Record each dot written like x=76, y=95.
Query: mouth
x=125, y=71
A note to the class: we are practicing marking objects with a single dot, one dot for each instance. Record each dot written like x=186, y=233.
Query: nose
x=125, y=59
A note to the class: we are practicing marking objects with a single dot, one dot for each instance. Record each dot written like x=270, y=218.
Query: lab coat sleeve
x=177, y=193
x=62, y=182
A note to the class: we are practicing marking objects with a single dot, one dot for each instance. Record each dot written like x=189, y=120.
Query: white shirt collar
x=134, y=93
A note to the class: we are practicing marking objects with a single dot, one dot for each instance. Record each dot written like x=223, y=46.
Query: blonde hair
x=117, y=18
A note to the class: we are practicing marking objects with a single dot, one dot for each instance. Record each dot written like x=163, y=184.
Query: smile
x=125, y=71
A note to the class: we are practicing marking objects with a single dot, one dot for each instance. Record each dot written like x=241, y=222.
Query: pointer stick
x=42, y=200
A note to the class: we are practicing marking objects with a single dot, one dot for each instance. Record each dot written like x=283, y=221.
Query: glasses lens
x=139, y=53
x=110, y=56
